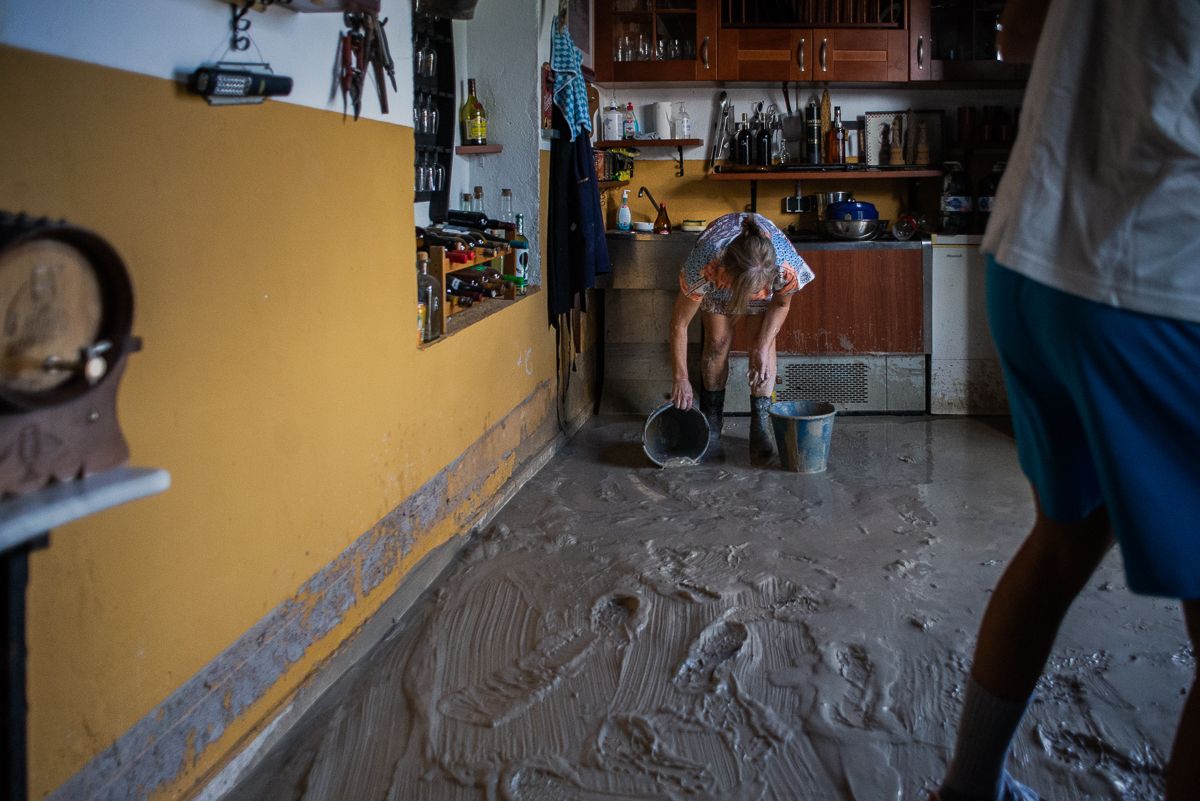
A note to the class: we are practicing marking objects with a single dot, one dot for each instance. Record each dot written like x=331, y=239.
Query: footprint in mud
x=618, y=616
x=859, y=706
x=707, y=662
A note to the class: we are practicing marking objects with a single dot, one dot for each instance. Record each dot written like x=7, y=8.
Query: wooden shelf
x=609, y=144
x=824, y=175
x=477, y=150
x=606, y=185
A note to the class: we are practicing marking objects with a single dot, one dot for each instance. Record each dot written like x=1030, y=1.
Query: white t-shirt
x=1101, y=196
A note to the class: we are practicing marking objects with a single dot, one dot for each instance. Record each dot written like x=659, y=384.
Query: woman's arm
x=681, y=387
x=762, y=366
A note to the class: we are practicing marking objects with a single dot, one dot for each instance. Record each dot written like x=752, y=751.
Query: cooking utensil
x=720, y=132
x=822, y=201
x=854, y=229
x=848, y=210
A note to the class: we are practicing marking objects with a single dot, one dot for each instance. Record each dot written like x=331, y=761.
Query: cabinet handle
x=800, y=54
x=704, y=52
x=954, y=255
x=824, y=52
x=920, y=52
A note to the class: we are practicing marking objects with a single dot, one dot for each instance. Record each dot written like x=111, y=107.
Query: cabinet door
x=848, y=54
x=656, y=40
x=862, y=301
x=920, y=46
x=764, y=54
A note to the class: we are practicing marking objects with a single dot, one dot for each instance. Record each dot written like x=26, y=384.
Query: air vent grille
x=833, y=382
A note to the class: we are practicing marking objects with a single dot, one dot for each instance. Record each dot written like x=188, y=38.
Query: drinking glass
x=439, y=177
x=674, y=50
x=643, y=47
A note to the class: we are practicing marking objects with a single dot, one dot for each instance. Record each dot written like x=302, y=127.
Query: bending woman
x=742, y=268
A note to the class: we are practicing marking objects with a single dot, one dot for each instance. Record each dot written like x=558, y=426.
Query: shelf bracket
x=679, y=162
x=753, y=196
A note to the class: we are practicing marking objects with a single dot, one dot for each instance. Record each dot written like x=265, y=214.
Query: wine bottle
x=473, y=117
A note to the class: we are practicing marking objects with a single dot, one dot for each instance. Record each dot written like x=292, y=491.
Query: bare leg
x=1183, y=772
x=714, y=359
x=1028, y=605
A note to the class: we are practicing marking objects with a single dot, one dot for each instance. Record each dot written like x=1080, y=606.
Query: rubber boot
x=712, y=404
x=762, y=443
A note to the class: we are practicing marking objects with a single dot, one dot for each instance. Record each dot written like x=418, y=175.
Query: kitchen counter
x=686, y=239
x=863, y=329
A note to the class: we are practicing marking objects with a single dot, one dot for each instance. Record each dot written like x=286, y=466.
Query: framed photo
x=579, y=25
x=918, y=135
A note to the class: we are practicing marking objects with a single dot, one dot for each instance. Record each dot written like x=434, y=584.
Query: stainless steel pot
x=823, y=199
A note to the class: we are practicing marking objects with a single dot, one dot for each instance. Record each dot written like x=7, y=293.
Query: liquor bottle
x=506, y=207
x=762, y=144
x=812, y=122
x=473, y=117
x=837, y=138
x=520, y=246
x=429, y=294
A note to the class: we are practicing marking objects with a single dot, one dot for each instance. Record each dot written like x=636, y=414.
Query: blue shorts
x=1106, y=411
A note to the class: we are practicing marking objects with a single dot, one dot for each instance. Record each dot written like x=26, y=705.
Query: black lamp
x=229, y=83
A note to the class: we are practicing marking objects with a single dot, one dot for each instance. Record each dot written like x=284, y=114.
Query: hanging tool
x=364, y=48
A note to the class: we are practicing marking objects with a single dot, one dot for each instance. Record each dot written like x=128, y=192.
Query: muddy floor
x=726, y=632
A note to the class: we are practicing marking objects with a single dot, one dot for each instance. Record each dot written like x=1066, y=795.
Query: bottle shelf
x=477, y=150
x=864, y=174
x=608, y=144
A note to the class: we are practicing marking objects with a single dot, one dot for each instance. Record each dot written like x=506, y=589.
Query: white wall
x=170, y=38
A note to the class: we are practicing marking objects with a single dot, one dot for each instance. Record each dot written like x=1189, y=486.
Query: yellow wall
x=271, y=251
x=695, y=197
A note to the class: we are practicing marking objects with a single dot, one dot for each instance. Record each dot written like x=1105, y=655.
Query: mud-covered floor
x=726, y=632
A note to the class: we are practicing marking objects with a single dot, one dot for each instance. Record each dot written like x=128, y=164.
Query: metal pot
x=823, y=199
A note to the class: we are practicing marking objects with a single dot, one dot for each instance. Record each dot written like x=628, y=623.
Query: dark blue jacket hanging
x=576, y=248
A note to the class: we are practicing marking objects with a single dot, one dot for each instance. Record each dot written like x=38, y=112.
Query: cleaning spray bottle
x=624, y=220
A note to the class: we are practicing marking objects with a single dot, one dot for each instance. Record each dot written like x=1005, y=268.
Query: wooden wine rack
x=439, y=266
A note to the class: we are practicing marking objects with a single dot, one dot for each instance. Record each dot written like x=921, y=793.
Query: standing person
x=1094, y=302
x=741, y=268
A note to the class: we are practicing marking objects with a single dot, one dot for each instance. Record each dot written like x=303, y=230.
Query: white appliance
x=965, y=375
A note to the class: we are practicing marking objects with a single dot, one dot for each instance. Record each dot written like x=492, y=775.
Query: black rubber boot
x=762, y=443
x=712, y=404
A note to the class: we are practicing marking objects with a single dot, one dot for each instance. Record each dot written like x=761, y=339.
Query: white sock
x=985, y=732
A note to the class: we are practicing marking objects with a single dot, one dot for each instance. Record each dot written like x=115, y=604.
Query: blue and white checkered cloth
x=570, y=87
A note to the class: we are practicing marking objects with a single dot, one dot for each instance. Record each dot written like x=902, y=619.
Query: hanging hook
x=239, y=27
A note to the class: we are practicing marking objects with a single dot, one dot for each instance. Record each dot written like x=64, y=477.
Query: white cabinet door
x=965, y=370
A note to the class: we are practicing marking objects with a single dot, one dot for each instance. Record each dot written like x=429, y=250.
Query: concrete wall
x=317, y=453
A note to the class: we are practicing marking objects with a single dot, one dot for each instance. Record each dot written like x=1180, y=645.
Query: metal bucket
x=674, y=437
x=803, y=430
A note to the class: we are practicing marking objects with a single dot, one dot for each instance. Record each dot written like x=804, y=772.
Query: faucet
x=643, y=191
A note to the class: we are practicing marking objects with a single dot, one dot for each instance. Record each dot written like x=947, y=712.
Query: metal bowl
x=854, y=229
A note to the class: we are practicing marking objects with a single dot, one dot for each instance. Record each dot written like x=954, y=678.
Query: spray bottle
x=624, y=220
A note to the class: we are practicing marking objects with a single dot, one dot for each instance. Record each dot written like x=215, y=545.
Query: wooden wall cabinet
x=860, y=55
x=655, y=40
x=757, y=54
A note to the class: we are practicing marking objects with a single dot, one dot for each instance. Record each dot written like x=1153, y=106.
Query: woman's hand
x=681, y=393
x=762, y=370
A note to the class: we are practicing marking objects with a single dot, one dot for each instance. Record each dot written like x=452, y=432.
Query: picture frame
x=911, y=122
